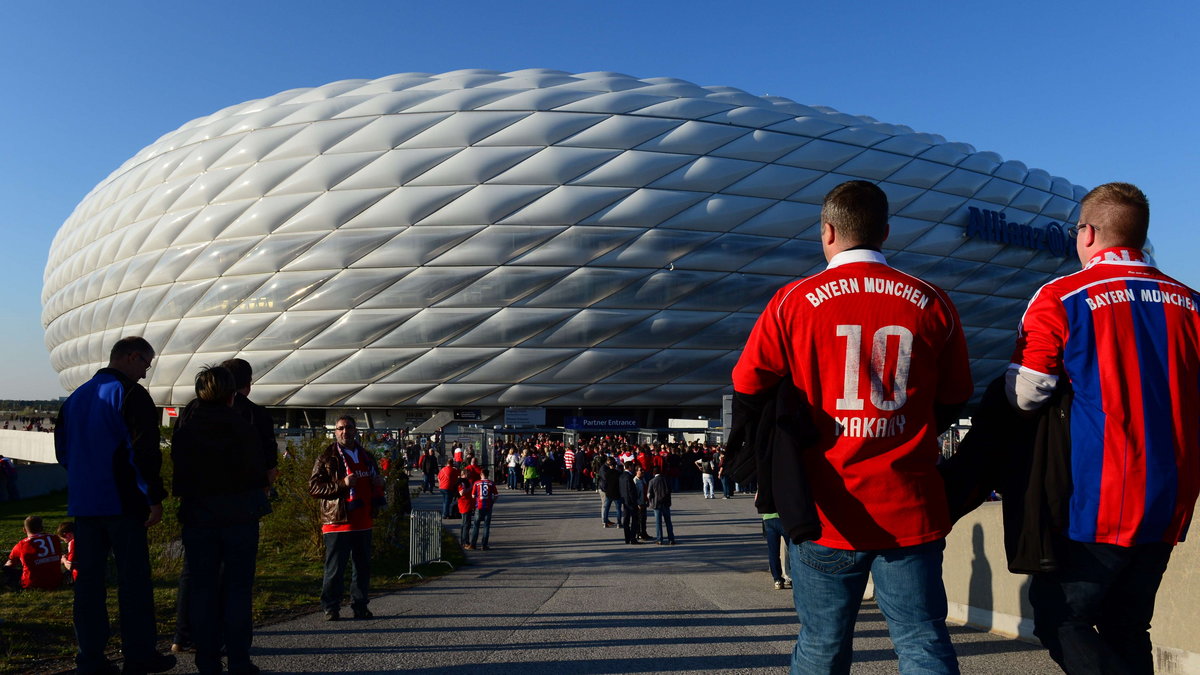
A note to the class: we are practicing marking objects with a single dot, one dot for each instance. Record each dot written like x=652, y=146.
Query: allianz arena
x=581, y=242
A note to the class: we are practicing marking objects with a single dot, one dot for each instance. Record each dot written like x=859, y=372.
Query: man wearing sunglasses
x=107, y=439
x=1127, y=339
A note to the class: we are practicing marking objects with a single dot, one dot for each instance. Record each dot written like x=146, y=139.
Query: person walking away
x=775, y=535
x=483, y=495
x=658, y=497
x=880, y=358
x=1127, y=338
x=708, y=474
x=464, y=506
x=447, y=482
x=610, y=491
x=429, y=467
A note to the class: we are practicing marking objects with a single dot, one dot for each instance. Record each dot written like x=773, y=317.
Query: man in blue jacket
x=107, y=439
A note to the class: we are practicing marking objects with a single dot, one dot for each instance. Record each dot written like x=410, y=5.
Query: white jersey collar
x=857, y=255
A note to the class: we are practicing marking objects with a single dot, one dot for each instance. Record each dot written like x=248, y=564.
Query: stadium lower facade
x=592, y=245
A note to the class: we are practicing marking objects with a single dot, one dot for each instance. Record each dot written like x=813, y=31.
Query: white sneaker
x=779, y=585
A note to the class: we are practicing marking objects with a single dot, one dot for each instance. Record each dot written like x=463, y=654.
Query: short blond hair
x=1123, y=210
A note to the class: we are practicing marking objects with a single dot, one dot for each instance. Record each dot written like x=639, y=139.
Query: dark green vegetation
x=37, y=635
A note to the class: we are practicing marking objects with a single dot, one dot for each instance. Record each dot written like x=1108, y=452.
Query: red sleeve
x=955, y=384
x=1042, y=334
x=763, y=361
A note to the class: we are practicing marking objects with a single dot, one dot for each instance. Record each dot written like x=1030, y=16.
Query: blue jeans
x=606, y=504
x=512, y=478
x=220, y=563
x=338, y=547
x=447, y=503
x=709, y=483
x=828, y=589
x=464, y=528
x=1094, y=614
x=774, y=534
x=125, y=537
x=483, y=520
x=663, y=514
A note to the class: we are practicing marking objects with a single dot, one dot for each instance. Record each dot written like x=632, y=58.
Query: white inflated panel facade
x=506, y=239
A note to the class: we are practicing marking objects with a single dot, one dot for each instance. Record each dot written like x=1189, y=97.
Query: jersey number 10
x=850, y=399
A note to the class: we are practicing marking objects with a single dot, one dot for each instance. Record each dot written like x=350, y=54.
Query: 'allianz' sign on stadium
x=993, y=226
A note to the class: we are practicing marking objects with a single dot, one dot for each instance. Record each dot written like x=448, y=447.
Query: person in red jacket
x=447, y=482
x=37, y=556
x=465, y=505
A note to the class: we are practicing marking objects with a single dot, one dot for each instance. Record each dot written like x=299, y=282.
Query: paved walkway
x=558, y=593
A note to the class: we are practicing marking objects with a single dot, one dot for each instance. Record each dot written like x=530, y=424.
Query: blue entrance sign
x=601, y=424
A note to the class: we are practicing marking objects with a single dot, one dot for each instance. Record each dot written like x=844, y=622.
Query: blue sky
x=1091, y=91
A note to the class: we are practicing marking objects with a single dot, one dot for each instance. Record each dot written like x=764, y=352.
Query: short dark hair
x=346, y=417
x=130, y=345
x=858, y=211
x=214, y=384
x=241, y=370
x=1126, y=210
x=34, y=524
x=66, y=527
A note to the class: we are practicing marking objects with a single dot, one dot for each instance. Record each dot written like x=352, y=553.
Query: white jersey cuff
x=1028, y=389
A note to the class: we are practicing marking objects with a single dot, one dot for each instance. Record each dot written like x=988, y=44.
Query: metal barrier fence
x=424, y=541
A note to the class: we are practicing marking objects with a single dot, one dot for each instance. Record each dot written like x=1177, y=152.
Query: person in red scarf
x=347, y=480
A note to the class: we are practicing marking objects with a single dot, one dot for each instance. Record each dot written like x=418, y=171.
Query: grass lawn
x=37, y=636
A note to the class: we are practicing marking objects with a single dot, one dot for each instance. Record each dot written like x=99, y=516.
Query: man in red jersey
x=347, y=480
x=37, y=556
x=1127, y=338
x=880, y=358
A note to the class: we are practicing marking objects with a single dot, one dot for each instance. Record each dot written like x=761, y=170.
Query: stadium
x=593, y=246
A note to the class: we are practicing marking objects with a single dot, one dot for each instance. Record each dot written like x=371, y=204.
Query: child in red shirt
x=38, y=556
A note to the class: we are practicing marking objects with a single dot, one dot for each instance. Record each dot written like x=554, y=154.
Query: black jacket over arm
x=1028, y=461
x=769, y=435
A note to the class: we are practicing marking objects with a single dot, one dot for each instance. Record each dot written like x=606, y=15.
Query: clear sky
x=1092, y=91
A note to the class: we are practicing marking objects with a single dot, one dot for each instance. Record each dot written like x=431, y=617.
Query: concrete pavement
x=558, y=593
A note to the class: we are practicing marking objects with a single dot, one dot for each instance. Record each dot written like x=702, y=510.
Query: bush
x=296, y=516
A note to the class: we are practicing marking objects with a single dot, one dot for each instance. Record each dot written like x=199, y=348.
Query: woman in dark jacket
x=221, y=480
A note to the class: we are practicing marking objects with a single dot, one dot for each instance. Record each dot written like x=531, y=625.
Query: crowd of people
x=29, y=423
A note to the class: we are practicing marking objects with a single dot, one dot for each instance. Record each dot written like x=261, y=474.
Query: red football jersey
x=873, y=349
x=39, y=555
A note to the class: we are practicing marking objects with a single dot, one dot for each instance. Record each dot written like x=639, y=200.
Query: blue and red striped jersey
x=1128, y=338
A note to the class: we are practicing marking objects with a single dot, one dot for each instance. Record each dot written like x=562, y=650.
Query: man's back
x=874, y=350
x=1129, y=340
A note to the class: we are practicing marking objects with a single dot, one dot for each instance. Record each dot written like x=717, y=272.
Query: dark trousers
x=447, y=503
x=125, y=538
x=340, y=546
x=641, y=516
x=775, y=535
x=726, y=486
x=220, y=563
x=629, y=523
x=183, y=607
x=1094, y=614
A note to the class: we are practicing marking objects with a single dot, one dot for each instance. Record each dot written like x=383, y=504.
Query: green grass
x=37, y=636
